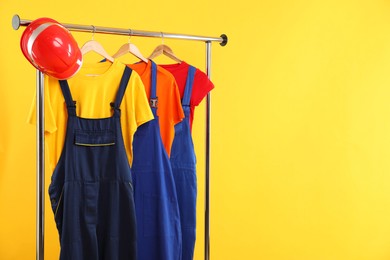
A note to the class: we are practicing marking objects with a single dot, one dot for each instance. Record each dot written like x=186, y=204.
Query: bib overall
x=157, y=211
x=183, y=162
x=91, y=188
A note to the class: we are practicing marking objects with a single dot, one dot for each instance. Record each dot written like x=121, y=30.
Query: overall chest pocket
x=95, y=155
x=95, y=138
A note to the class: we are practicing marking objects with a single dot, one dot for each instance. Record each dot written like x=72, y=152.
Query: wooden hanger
x=95, y=46
x=130, y=48
x=164, y=49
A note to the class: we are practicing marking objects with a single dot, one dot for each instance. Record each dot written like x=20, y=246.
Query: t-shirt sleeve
x=141, y=109
x=202, y=85
x=173, y=115
x=50, y=122
x=53, y=144
x=135, y=111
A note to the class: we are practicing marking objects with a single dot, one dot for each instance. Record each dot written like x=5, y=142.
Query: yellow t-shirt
x=93, y=88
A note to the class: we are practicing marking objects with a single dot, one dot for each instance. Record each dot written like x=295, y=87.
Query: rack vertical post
x=40, y=184
x=207, y=153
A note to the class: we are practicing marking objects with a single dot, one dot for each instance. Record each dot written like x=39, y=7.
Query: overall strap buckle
x=153, y=102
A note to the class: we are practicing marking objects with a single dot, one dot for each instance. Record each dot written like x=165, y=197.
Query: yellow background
x=300, y=158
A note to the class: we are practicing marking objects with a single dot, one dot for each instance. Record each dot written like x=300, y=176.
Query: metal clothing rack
x=223, y=39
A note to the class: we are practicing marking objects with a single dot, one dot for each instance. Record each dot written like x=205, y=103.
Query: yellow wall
x=300, y=122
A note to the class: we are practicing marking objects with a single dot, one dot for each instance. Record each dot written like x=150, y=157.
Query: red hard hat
x=50, y=48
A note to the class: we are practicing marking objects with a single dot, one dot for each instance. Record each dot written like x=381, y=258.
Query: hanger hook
x=162, y=37
x=93, y=32
x=130, y=34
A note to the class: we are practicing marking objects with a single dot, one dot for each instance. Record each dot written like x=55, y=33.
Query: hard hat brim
x=71, y=71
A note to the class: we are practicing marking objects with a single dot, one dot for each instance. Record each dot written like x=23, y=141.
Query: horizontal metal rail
x=223, y=39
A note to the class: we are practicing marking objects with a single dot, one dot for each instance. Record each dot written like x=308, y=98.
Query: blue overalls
x=91, y=188
x=183, y=162
x=157, y=211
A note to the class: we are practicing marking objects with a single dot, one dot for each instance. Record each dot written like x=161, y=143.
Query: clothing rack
x=223, y=39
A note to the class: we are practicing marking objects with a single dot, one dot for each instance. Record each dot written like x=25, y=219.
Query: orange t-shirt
x=169, y=109
x=93, y=88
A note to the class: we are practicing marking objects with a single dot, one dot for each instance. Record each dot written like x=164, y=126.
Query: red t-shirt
x=201, y=86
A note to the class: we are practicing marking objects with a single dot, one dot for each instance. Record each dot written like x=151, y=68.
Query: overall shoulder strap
x=153, y=88
x=70, y=104
x=122, y=88
x=188, y=88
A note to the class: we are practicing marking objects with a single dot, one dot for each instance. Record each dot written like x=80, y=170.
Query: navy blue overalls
x=157, y=210
x=91, y=189
x=183, y=162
